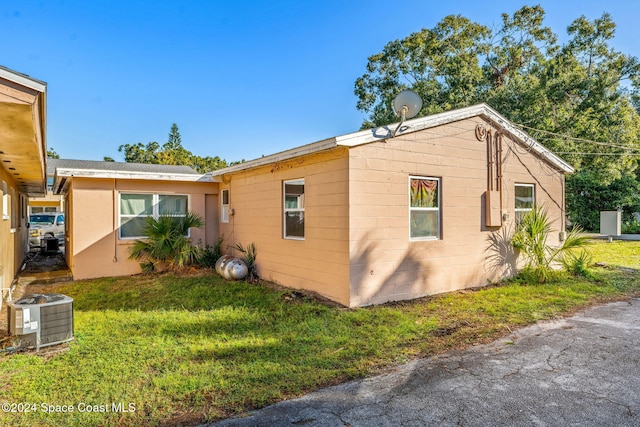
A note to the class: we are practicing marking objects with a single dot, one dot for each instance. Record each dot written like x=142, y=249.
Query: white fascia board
x=386, y=132
x=23, y=80
x=152, y=176
x=277, y=157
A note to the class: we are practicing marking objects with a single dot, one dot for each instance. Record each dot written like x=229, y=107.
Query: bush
x=250, y=255
x=531, y=238
x=166, y=245
x=211, y=254
x=577, y=265
x=631, y=226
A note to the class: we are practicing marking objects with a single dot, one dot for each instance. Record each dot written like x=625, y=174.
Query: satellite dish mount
x=406, y=104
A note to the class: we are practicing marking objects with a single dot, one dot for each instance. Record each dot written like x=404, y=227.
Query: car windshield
x=42, y=219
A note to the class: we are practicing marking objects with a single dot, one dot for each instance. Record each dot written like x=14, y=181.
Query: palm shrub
x=166, y=244
x=531, y=239
x=249, y=258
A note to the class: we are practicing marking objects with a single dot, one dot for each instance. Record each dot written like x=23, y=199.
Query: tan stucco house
x=48, y=202
x=106, y=201
x=363, y=218
x=22, y=163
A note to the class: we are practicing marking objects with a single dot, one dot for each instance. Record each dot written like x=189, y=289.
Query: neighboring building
x=22, y=163
x=363, y=218
x=49, y=202
x=105, y=201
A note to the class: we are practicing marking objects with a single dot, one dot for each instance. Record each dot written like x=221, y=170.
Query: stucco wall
x=96, y=250
x=385, y=264
x=13, y=240
x=320, y=262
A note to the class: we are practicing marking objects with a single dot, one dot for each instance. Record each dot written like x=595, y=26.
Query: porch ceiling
x=22, y=131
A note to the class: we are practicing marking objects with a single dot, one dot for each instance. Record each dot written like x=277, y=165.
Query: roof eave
x=62, y=175
x=382, y=133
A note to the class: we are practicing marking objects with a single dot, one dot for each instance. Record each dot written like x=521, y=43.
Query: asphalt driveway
x=580, y=371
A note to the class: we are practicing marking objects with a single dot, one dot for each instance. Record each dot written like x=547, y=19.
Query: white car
x=46, y=224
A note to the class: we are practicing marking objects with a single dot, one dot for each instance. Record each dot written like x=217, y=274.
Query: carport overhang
x=23, y=147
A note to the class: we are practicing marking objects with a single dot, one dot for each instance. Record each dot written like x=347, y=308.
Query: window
x=525, y=199
x=5, y=201
x=134, y=208
x=224, y=211
x=14, y=207
x=424, y=208
x=294, y=209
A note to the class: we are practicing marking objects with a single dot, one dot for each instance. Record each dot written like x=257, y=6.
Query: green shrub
x=578, y=265
x=211, y=253
x=166, y=245
x=632, y=226
x=250, y=255
x=531, y=239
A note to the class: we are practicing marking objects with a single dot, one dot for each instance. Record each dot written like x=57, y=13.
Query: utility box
x=610, y=223
x=493, y=213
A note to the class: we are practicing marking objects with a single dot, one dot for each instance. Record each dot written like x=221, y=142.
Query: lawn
x=186, y=349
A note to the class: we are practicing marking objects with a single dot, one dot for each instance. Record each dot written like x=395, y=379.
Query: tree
x=580, y=99
x=51, y=153
x=170, y=153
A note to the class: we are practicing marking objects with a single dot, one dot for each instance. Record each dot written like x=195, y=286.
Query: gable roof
x=385, y=132
x=64, y=169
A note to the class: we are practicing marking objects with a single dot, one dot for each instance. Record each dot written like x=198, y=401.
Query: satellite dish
x=407, y=104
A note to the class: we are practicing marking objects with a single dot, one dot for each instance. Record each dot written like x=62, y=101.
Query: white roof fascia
x=22, y=80
x=315, y=147
x=154, y=176
x=386, y=132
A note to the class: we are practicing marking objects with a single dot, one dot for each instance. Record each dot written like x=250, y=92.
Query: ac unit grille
x=56, y=323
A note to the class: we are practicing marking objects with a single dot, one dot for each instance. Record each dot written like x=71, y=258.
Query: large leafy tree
x=580, y=99
x=170, y=153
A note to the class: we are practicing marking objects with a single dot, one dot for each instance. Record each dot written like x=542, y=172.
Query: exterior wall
x=93, y=247
x=50, y=201
x=13, y=231
x=320, y=262
x=385, y=264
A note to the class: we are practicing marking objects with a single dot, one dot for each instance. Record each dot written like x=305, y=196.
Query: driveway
x=581, y=371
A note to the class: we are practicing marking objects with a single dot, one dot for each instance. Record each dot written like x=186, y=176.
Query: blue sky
x=240, y=78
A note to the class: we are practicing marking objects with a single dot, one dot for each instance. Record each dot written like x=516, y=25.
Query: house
x=105, y=203
x=22, y=163
x=367, y=218
x=362, y=219
x=48, y=202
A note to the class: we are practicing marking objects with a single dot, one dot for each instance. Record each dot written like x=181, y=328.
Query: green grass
x=196, y=348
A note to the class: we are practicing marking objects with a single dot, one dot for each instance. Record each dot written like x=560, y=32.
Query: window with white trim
x=14, y=207
x=525, y=199
x=224, y=209
x=5, y=201
x=424, y=208
x=135, y=207
x=293, y=223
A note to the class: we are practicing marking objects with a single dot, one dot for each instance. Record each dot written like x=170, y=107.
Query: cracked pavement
x=583, y=370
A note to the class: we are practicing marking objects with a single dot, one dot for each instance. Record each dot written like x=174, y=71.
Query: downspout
x=499, y=167
x=490, y=157
x=115, y=219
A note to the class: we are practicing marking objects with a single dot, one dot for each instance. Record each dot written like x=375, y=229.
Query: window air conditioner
x=39, y=320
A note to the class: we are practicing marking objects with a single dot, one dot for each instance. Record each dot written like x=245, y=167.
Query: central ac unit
x=39, y=320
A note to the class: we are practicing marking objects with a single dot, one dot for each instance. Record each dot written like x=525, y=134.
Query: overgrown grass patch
x=196, y=348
